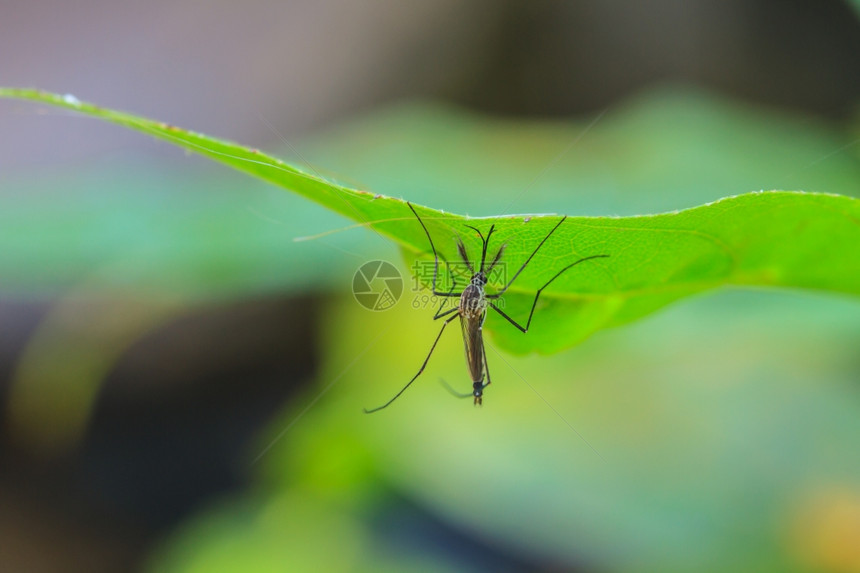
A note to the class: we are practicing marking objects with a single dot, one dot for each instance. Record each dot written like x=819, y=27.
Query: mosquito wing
x=474, y=345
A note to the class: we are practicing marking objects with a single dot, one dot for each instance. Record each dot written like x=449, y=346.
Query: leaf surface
x=780, y=238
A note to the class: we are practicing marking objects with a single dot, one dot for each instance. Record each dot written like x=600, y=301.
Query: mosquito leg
x=508, y=318
x=420, y=370
x=454, y=392
x=486, y=366
x=525, y=328
x=435, y=254
x=528, y=260
x=439, y=314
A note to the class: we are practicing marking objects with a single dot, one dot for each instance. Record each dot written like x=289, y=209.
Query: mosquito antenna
x=477, y=231
x=496, y=259
x=486, y=244
x=464, y=255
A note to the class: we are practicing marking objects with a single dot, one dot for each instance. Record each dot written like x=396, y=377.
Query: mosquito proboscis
x=473, y=304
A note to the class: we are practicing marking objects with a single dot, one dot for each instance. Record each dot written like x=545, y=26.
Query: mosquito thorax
x=473, y=302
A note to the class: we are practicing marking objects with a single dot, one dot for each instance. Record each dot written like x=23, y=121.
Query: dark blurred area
x=171, y=411
x=169, y=429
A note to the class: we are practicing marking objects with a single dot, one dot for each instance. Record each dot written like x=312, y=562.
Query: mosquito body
x=473, y=305
x=472, y=311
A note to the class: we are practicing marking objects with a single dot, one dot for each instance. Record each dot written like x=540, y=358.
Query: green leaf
x=790, y=239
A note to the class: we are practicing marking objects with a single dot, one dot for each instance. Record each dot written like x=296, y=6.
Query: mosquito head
x=479, y=278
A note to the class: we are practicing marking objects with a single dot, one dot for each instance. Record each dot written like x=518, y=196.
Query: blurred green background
x=183, y=383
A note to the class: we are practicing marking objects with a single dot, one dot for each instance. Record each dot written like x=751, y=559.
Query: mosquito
x=473, y=305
